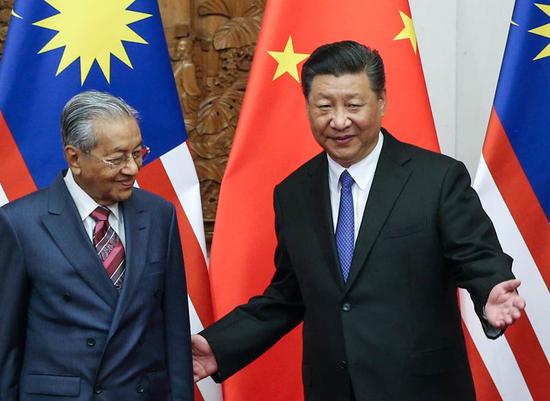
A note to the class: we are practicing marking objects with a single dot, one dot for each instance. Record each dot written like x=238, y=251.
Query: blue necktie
x=345, y=227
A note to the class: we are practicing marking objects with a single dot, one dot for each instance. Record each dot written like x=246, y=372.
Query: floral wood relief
x=211, y=57
x=5, y=13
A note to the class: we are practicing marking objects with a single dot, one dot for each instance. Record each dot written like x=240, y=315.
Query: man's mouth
x=342, y=139
x=129, y=183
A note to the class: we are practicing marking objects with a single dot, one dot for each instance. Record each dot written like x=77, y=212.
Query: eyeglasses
x=139, y=156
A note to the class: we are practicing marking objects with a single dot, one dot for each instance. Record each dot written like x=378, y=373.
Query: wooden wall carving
x=5, y=13
x=211, y=43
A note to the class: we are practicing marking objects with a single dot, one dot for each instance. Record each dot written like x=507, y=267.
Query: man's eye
x=324, y=106
x=116, y=161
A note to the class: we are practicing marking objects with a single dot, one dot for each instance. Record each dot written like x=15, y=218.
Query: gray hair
x=83, y=109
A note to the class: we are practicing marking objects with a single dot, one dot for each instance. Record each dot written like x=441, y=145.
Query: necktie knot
x=100, y=214
x=346, y=179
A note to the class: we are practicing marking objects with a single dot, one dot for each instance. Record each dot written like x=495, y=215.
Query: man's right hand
x=204, y=362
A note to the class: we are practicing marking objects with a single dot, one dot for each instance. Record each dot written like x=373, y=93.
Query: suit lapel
x=136, y=229
x=392, y=172
x=65, y=226
x=321, y=217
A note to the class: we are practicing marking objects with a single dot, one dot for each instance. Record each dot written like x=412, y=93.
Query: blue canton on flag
x=522, y=100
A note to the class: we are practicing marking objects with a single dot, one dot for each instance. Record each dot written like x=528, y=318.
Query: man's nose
x=131, y=167
x=340, y=119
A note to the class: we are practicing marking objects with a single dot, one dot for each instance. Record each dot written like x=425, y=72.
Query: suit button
x=140, y=389
x=98, y=390
x=346, y=306
x=67, y=297
x=343, y=365
x=90, y=342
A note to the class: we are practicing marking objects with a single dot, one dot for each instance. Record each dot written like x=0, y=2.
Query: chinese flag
x=273, y=139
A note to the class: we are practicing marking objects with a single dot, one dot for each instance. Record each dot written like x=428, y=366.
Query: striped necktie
x=108, y=246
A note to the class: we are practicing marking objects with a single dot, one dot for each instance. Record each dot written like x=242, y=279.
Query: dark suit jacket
x=393, y=330
x=65, y=332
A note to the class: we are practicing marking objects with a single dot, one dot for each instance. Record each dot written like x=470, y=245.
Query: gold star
x=288, y=61
x=408, y=30
x=77, y=32
x=15, y=14
x=543, y=30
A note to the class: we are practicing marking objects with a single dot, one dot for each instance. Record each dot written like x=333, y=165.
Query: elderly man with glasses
x=92, y=285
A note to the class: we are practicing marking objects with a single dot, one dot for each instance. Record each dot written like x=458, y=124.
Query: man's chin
x=123, y=195
x=126, y=194
x=341, y=158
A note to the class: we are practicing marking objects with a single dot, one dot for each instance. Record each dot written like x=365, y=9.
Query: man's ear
x=382, y=103
x=307, y=105
x=73, y=155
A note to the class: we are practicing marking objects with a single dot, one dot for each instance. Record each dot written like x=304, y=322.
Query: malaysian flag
x=58, y=48
x=513, y=182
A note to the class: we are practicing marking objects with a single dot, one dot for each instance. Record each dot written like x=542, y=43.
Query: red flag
x=273, y=139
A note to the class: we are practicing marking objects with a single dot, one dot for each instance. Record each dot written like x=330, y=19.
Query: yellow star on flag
x=91, y=31
x=288, y=61
x=543, y=30
x=408, y=30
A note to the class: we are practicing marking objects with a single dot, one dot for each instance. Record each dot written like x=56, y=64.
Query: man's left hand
x=504, y=304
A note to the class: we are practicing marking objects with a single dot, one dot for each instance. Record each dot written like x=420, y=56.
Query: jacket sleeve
x=14, y=289
x=176, y=320
x=470, y=241
x=250, y=329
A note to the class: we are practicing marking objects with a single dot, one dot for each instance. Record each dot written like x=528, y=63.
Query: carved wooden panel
x=211, y=43
x=5, y=13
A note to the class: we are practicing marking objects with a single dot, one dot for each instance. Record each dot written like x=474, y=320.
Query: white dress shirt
x=86, y=205
x=362, y=173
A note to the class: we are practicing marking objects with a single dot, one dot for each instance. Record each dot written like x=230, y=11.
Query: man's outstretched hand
x=504, y=304
x=204, y=362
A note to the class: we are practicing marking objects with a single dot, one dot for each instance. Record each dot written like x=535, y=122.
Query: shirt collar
x=84, y=202
x=357, y=170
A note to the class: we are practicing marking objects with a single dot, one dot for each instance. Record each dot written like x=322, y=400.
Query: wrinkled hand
x=204, y=362
x=504, y=304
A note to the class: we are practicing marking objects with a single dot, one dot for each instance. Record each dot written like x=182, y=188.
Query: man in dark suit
x=93, y=302
x=374, y=236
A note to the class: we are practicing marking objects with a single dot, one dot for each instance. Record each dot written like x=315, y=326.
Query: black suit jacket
x=393, y=330
x=65, y=332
